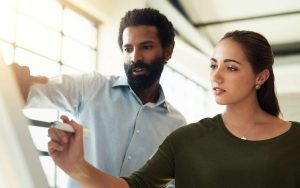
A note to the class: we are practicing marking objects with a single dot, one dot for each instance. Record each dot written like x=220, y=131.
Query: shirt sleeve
x=64, y=92
x=157, y=172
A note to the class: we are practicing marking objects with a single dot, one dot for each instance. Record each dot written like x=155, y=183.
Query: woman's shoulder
x=201, y=127
x=295, y=125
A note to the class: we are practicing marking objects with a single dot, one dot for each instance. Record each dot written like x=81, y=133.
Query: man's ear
x=168, y=53
x=262, y=77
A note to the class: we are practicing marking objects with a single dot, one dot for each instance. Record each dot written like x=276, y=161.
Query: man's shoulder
x=175, y=113
x=100, y=79
x=99, y=76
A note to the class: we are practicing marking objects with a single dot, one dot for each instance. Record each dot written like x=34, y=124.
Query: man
x=127, y=115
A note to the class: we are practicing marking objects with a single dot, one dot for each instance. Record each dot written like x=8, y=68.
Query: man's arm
x=25, y=80
x=67, y=152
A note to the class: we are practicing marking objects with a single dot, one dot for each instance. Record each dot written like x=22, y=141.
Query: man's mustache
x=139, y=64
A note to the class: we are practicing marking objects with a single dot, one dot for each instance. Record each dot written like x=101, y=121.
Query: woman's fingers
x=78, y=129
x=54, y=146
x=76, y=126
x=64, y=118
x=58, y=135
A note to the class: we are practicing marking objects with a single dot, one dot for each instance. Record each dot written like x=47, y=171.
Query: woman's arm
x=67, y=152
x=90, y=177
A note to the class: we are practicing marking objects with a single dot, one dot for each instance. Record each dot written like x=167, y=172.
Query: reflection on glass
x=79, y=28
x=38, y=65
x=49, y=169
x=69, y=70
x=79, y=56
x=38, y=38
x=186, y=96
x=7, y=24
x=46, y=11
x=7, y=51
x=7, y=3
x=40, y=137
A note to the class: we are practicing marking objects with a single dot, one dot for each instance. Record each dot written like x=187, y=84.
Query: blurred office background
x=55, y=37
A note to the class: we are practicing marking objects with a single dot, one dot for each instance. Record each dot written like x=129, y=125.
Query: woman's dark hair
x=260, y=55
x=151, y=17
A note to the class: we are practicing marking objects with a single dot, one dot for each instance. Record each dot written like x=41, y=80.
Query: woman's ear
x=262, y=77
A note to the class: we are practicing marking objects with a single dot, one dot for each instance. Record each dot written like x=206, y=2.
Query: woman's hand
x=66, y=149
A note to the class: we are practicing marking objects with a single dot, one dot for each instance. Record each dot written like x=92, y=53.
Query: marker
x=58, y=125
x=68, y=128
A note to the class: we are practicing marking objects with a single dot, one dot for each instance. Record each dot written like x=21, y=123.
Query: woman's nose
x=217, y=76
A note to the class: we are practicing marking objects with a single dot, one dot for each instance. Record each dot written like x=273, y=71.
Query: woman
x=247, y=145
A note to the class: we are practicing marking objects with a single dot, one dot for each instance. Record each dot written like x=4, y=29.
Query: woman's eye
x=213, y=66
x=232, y=69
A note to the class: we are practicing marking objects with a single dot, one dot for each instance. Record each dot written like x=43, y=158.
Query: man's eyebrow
x=146, y=42
x=126, y=45
x=142, y=43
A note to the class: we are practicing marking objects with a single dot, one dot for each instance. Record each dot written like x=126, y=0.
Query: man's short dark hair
x=150, y=17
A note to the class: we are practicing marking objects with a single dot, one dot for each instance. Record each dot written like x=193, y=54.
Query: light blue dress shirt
x=125, y=133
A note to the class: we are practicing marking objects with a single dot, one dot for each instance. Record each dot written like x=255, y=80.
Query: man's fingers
x=17, y=70
x=38, y=80
x=25, y=81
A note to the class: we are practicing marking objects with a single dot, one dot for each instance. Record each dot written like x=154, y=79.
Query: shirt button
x=137, y=131
x=129, y=157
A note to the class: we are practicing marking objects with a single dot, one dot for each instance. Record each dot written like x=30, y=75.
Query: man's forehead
x=140, y=33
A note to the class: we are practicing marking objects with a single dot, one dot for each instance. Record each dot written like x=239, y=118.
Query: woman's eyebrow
x=231, y=60
x=225, y=60
x=213, y=59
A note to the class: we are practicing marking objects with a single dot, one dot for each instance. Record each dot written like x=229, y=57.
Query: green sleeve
x=157, y=172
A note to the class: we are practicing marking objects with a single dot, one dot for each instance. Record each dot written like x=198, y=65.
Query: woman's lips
x=218, y=90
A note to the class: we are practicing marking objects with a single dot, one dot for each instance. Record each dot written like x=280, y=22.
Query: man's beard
x=142, y=82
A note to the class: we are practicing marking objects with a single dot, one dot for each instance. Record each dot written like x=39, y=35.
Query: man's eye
x=148, y=47
x=127, y=50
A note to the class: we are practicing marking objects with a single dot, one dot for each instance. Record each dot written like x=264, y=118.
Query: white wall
x=185, y=59
x=109, y=13
x=289, y=105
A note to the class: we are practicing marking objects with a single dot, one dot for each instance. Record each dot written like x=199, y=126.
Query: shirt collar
x=122, y=81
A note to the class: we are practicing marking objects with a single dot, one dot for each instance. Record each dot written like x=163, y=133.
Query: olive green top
x=206, y=155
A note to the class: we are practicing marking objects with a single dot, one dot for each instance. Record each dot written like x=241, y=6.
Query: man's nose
x=136, y=56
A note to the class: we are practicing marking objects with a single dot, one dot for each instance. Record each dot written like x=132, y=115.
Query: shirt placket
x=128, y=162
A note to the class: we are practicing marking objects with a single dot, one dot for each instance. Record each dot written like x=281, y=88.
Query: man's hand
x=66, y=149
x=25, y=80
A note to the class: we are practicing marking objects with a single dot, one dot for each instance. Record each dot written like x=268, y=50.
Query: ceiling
x=277, y=20
x=201, y=23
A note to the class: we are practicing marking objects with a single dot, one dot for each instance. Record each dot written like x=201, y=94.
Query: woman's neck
x=244, y=118
x=251, y=122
